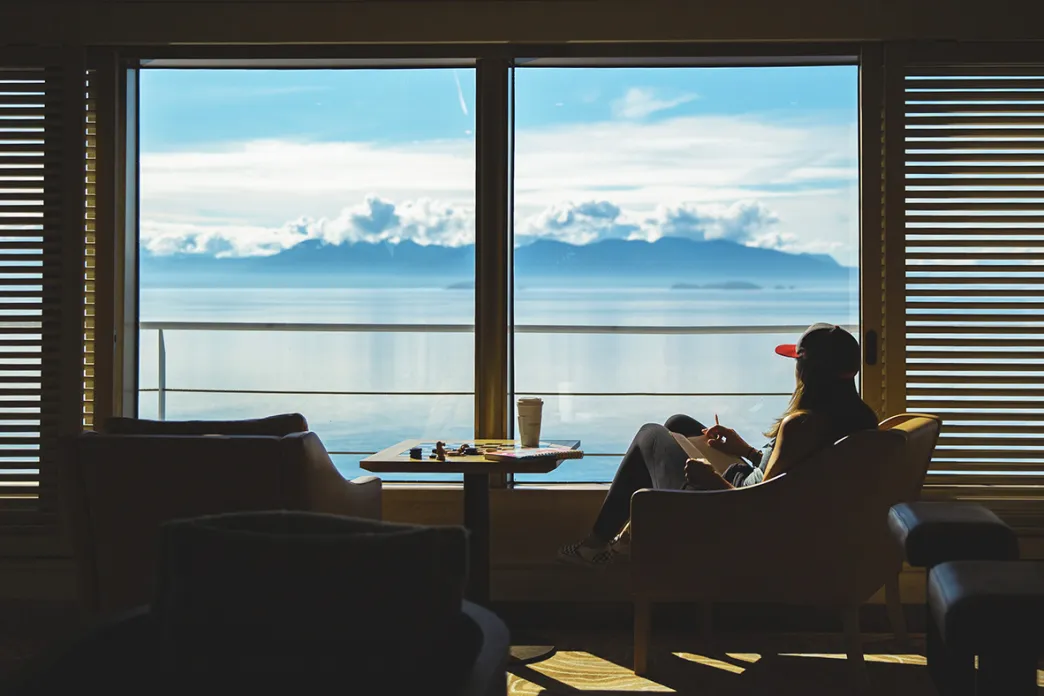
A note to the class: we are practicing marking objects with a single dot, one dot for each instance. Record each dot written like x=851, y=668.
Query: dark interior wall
x=121, y=22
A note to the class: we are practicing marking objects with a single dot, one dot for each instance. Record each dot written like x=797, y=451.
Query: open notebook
x=698, y=448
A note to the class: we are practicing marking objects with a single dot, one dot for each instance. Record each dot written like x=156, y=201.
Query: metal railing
x=163, y=326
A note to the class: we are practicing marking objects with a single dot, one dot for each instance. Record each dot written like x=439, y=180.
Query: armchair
x=817, y=535
x=118, y=489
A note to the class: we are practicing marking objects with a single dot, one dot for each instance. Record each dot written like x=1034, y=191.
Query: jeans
x=654, y=460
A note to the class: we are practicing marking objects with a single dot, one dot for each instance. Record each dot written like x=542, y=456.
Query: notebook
x=533, y=453
x=699, y=448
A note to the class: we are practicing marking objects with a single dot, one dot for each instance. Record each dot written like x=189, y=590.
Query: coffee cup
x=529, y=416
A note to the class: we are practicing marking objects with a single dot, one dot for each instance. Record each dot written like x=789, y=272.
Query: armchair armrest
x=365, y=492
x=712, y=544
x=489, y=671
x=324, y=489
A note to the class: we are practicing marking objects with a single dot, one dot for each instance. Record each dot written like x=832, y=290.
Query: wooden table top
x=396, y=459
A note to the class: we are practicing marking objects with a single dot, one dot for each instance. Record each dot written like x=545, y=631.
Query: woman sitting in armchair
x=824, y=408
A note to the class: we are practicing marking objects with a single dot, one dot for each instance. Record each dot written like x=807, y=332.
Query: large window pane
x=671, y=227
x=292, y=222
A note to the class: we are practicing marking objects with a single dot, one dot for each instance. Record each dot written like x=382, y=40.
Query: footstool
x=992, y=609
x=930, y=533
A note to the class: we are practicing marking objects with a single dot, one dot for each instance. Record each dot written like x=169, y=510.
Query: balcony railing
x=164, y=326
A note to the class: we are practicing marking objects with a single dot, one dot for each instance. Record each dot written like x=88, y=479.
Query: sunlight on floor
x=891, y=659
x=583, y=671
x=719, y=664
x=572, y=671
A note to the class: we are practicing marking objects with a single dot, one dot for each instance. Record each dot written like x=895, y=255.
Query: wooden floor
x=800, y=664
x=597, y=662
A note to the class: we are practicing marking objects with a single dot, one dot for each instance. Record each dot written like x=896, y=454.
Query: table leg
x=476, y=519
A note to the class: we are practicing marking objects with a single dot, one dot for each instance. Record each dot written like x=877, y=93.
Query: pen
x=716, y=419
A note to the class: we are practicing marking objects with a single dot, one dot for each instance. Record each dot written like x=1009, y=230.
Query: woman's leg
x=654, y=460
x=684, y=425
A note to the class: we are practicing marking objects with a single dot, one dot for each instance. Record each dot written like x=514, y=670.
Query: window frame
x=494, y=142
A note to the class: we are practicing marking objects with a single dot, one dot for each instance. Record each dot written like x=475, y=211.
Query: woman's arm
x=800, y=436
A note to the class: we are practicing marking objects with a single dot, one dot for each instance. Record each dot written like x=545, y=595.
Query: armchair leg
x=642, y=631
x=895, y=614
x=854, y=648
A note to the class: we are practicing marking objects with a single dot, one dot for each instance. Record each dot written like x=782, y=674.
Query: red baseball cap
x=827, y=346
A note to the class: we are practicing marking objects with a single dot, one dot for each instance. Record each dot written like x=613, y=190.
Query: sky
x=238, y=162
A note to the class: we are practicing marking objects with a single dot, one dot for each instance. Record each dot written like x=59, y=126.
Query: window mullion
x=492, y=248
x=872, y=228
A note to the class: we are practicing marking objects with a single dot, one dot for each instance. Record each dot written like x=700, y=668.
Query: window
x=307, y=244
x=671, y=226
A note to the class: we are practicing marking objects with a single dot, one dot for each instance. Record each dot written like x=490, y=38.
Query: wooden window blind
x=974, y=266
x=41, y=160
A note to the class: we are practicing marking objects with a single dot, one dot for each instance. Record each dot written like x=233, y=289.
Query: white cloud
x=639, y=102
x=376, y=220
x=373, y=220
x=430, y=222
x=266, y=195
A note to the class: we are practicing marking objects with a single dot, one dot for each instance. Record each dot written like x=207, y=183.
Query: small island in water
x=727, y=285
x=462, y=285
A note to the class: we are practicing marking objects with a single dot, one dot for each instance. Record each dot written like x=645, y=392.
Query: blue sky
x=763, y=156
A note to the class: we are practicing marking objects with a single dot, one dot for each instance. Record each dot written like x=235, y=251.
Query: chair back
x=278, y=425
x=118, y=489
x=922, y=434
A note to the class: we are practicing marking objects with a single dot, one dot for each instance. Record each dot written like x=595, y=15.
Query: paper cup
x=529, y=417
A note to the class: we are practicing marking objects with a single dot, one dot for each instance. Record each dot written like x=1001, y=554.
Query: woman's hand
x=697, y=470
x=726, y=440
x=701, y=475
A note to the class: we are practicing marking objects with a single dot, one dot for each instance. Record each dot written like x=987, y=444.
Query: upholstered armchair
x=118, y=488
x=817, y=535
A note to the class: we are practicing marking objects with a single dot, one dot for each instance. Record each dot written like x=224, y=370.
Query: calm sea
x=359, y=389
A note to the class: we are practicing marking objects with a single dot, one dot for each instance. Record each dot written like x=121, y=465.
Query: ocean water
x=363, y=391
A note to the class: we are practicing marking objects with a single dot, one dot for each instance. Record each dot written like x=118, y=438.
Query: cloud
x=218, y=239
x=765, y=182
x=373, y=220
x=578, y=223
x=430, y=222
x=739, y=222
x=743, y=222
x=376, y=220
x=639, y=102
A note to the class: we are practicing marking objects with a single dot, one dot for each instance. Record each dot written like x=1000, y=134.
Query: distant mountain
x=664, y=262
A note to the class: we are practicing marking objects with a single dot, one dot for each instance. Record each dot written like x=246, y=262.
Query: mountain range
x=665, y=262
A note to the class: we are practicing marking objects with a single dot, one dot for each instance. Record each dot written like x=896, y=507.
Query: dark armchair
x=117, y=489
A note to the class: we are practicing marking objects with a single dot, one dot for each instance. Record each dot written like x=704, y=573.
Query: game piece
x=415, y=453
x=472, y=451
x=440, y=451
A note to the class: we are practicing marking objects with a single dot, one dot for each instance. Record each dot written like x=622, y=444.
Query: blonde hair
x=834, y=397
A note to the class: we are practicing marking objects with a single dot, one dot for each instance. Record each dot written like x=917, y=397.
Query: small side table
x=476, y=470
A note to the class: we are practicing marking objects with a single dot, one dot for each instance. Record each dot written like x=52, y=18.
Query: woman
x=824, y=408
